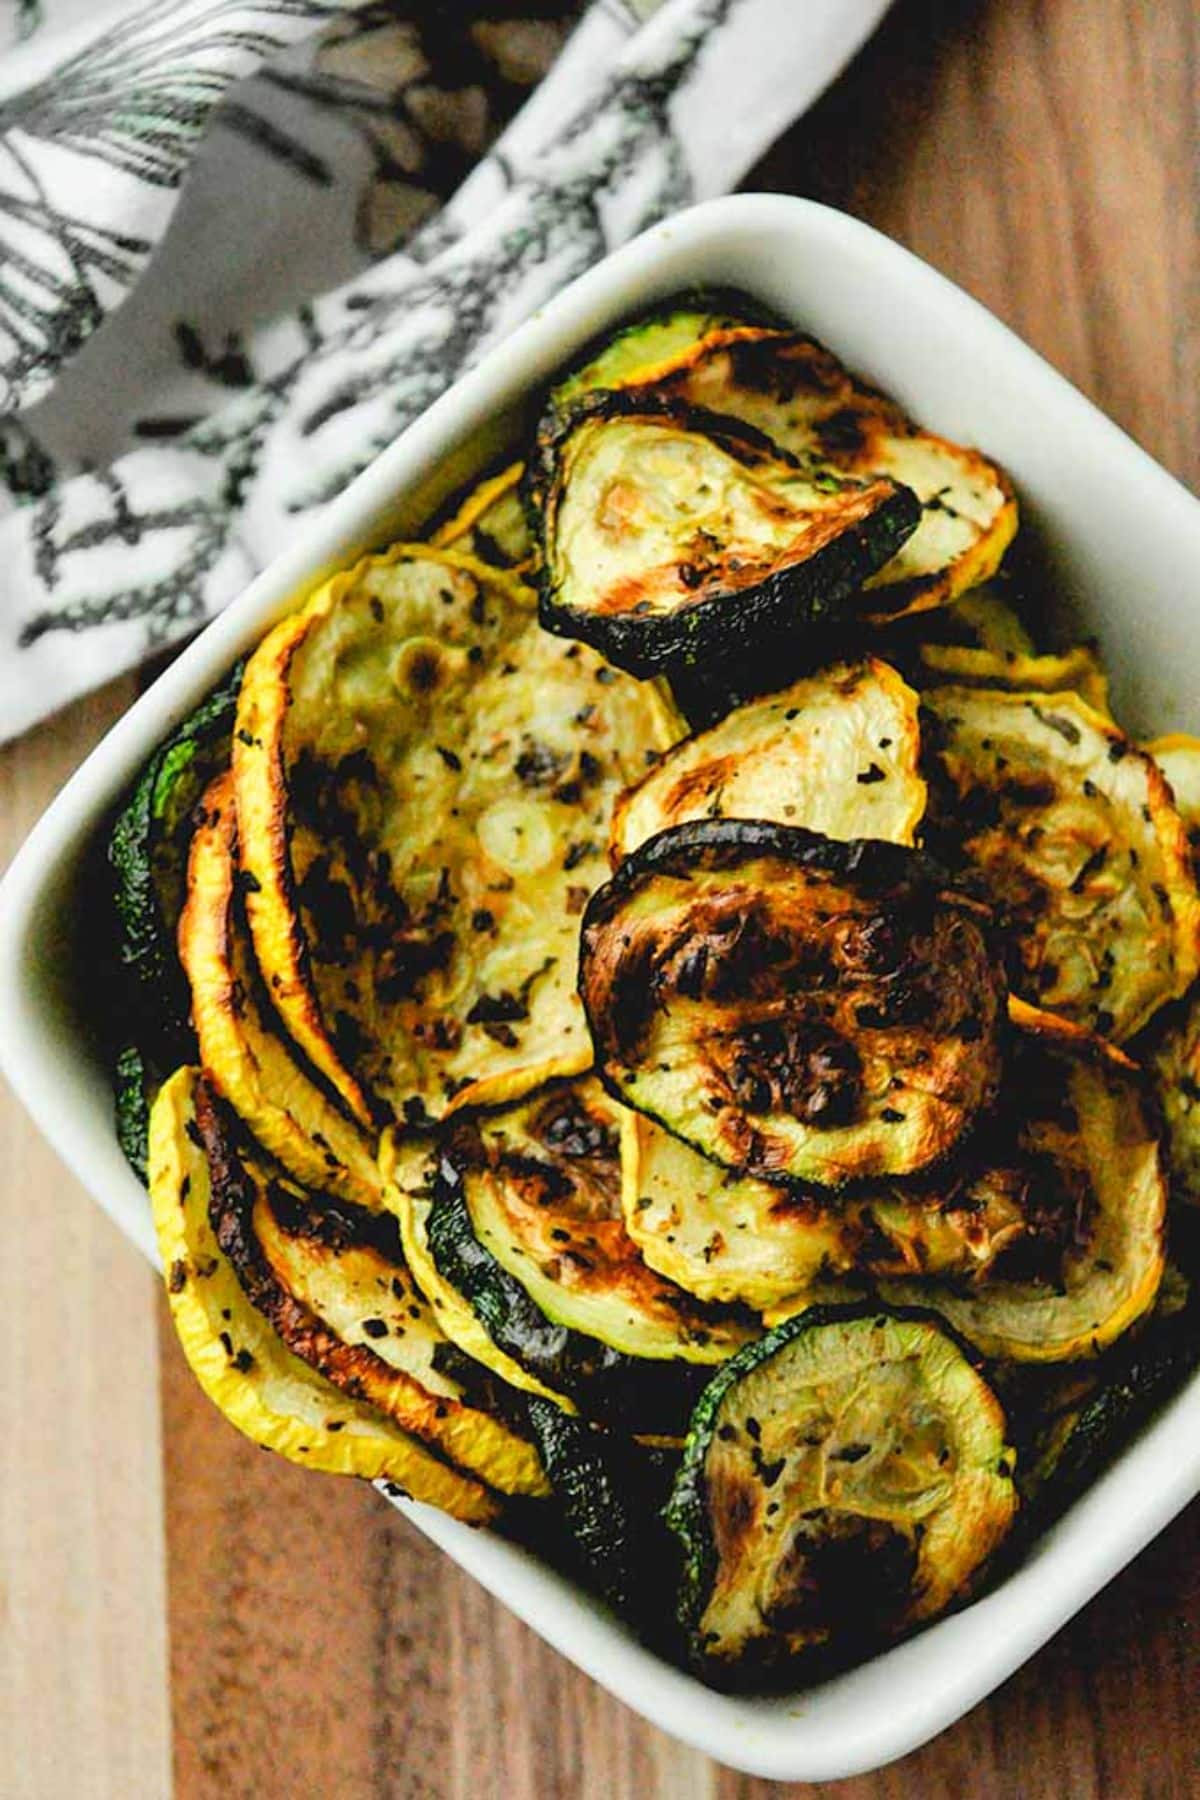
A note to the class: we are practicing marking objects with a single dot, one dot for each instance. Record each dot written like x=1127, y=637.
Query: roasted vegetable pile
x=664, y=1018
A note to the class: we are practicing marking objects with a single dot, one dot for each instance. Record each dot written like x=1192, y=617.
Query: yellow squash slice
x=262, y=1388
x=1081, y=1124
x=489, y=523
x=331, y=1281
x=1076, y=671
x=424, y=785
x=796, y=392
x=725, y=1236
x=1075, y=832
x=837, y=752
x=243, y=1050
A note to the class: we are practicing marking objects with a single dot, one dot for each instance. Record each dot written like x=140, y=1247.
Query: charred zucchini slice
x=1076, y=835
x=527, y=1225
x=795, y=1008
x=330, y=1280
x=730, y=1237
x=409, y=1171
x=1178, y=756
x=836, y=752
x=1079, y=1122
x=147, y=854
x=489, y=524
x=242, y=1047
x=800, y=396
x=845, y=1478
x=669, y=536
x=653, y=342
x=269, y=1394
x=610, y=1491
x=424, y=783
x=990, y=620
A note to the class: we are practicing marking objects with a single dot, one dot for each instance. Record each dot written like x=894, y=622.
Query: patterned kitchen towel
x=368, y=208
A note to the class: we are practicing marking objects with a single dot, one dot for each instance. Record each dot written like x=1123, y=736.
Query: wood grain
x=83, y=1650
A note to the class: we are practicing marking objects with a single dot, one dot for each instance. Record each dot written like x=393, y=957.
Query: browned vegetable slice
x=331, y=1281
x=731, y=1237
x=1076, y=671
x=424, y=783
x=242, y=1046
x=489, y=523
x=1078, y=1117
x=527, y=1224
x=670, y=536
x=837, y=752
x=264, y=1390
x=798, y=394
x=1075, y=832
x=793, y=1007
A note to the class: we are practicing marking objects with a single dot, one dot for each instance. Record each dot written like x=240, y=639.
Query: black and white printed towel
x=375, y=193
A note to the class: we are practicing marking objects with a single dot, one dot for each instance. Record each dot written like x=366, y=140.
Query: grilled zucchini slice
x=527, y=1225
x=147, y=855
x=1079, y=1120
x=652, y=342
x=489, y=524
x=729, y=1237
x=989, y=619
x=331, y=1281
x=1178, y=756
x=836, y=752
x=242, y=1048
x=793, y=390
x=409, y=1172
x=1077, y=837
x=845, y=1479
x=669, y=536
x=795, y=1008
x=269, y=1394
x=424, y=784
x=609, y=1491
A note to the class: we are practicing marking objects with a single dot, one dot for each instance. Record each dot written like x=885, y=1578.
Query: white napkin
x=189, y=373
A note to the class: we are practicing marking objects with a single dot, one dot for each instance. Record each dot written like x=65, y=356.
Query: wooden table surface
x=171, y=1597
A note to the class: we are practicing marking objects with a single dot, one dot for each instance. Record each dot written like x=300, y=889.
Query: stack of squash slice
x=644, y=1011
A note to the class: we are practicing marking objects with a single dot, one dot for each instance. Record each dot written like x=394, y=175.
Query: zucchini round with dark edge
x=793, y=1007
x=147, y=854
x=526, y=1224
x=610, y=1492
x=330, y=1280
x=654, y=339
x=845, y=1479
x=670, y=536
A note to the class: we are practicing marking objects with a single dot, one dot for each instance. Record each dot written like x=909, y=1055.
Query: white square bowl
x=1123, y=540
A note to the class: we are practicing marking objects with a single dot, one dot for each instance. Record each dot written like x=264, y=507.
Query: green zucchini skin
x=133, y=1094
x=627, y=1392
x=147, y=858
x=626, y=349
x=792, y=601
x=1145, y=1373
x=609, y=1492
x=686, y=1512
x=905, y=878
